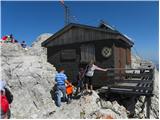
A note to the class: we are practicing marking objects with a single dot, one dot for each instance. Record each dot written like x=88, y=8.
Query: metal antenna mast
x=66, y=13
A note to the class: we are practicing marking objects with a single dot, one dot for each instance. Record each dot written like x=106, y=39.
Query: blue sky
x=26, y=20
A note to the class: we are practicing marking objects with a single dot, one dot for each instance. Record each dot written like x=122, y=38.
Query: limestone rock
x=89, y=107
x=30, y=79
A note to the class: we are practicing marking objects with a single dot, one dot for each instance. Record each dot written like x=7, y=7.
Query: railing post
x=148, y=106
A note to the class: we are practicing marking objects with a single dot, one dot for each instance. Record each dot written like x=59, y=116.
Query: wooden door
x=119, y=61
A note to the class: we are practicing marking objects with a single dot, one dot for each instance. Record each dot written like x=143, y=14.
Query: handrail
x=130, y=68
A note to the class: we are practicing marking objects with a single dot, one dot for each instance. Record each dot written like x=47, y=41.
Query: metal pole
x=65, y=15
x=68, y=16
x=148, y=106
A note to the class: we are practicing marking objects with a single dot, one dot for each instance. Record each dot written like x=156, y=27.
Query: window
x=87, y=53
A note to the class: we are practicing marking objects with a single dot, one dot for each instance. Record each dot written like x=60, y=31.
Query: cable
x=136, y=52
x=92, y=21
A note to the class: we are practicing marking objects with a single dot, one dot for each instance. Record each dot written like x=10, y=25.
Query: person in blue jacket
x=61, y=79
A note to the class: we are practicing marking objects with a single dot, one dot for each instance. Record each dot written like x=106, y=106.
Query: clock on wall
x=106, y=52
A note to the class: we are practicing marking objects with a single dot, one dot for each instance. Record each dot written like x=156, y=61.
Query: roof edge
x=65, y=28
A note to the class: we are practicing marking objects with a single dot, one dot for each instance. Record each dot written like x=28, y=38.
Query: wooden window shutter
x=87, y=53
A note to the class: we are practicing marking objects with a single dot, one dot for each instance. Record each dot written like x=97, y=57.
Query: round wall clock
x=106, y=52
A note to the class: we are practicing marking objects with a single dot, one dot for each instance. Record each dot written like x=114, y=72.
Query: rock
x=36, y=48
x=88, y=107
x=30, y=79
x=106, y=104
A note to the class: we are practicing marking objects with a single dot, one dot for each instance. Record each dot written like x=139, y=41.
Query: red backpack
x=4, y=103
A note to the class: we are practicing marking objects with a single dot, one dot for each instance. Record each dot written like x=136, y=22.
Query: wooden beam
x=133, y=87
x=129, y=92
x=131, y=81
x=148, y=106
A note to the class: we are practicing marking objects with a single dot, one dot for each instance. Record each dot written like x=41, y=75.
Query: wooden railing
x=134, y=82
x=131, y=81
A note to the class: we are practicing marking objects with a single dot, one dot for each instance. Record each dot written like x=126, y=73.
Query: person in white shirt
x=91, y=67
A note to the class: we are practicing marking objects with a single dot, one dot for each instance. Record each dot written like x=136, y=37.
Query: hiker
x=80, y=80
x=15, y=41
x=4, y=104
x=89, y=72
x=9, y=38
x=61, y=79
x=6, y=91
x=24, y=45
x=4, y=38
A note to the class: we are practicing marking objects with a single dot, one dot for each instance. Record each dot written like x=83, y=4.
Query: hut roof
x=103, y=28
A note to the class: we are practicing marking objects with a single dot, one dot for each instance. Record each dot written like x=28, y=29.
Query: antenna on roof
x=66, y=13
x=106, y=24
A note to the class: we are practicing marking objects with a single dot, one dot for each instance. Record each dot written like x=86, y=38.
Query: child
x=80, y=80
x=61, y=79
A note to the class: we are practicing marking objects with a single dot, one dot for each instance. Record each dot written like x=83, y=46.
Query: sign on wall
x=106, y=52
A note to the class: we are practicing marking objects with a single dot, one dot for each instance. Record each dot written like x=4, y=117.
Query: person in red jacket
x=4, y=106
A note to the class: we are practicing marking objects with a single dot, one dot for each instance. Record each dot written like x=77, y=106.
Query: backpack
x=9, y=95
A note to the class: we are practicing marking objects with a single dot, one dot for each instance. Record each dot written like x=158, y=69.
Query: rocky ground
x=31, y=78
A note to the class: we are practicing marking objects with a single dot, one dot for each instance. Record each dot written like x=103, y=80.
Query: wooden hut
x=76, y=44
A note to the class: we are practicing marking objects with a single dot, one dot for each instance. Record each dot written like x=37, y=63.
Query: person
x=61, y=79
x=4, y=104
x=6, y=91
x=80, y=80
x=4, y=38
x=15, y=41
x=90, y=68
x=23, y=44
x=9, y=38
